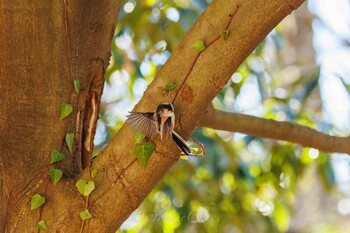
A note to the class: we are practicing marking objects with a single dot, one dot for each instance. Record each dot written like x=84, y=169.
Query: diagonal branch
x=265, y=128
x=120, y=188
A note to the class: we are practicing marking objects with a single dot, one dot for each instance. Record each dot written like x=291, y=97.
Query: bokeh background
x=299, y=73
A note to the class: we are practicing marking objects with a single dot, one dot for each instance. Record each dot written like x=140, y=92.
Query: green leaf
x=93, y=173
x=199, y=45
x=70, y=141
x=144, y=151
x=56, y=156
x=85, y=215
x=224, y=34
x=66, y=110
x=77, y=86
x=55, y=174
x=170, y=86
x=95, y=153
x=138, y=137
x=37, y=201
x=85, y=187
x=41, y=225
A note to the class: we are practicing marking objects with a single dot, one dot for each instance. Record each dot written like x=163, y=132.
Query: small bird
x=161, y=122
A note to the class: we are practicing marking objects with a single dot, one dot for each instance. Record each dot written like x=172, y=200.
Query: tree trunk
x=44, y=47
x=48, y=45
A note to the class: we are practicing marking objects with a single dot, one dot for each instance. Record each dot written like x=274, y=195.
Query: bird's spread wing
x=143, y=122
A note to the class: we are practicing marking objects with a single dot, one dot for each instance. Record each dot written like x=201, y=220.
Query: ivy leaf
x=77, y=86
x=144, y=151
x=70, y=141
x=138, y=137
x=41, y=225
x=66, y=110
x=85, y=215
x=55, y=175
x=37, y=201
x=224, y=34
x=56, y=156
x=199, y=45
x=85, y=187
x=95, y=154
x=93, y=173
x=170, y=86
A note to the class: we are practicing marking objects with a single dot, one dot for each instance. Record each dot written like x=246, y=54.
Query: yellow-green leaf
x=77, y=86
x=85, y=215
x=224, y=34
x=144, y=151
x=56, y=156
x=85, y=187
x=37, y=201
x=95, y=154
x=93, y=173
x=70, y=141
x=55, y=175
x=41, y=225
x=199, y=45
x=65, y=110
x=170, y=86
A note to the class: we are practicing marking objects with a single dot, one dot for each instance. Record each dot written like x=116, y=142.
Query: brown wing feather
x=142, y=122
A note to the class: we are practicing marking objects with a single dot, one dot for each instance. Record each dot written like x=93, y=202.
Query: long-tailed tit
x=162, y=122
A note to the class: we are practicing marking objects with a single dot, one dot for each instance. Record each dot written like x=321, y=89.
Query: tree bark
x=44, y=47
x=279, y=130
x=48, y=45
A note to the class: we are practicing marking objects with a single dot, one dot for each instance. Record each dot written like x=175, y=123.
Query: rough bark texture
x=44, y=47
x=48, y=45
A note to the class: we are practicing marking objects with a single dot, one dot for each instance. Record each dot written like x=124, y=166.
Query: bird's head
x=166, y=108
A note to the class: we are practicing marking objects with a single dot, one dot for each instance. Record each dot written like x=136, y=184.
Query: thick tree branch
x=125, y=182
x=265, y=128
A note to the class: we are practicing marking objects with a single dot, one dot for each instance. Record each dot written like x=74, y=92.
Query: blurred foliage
x=244, y=183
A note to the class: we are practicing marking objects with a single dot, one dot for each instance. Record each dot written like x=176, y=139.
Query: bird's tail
x=181, y=143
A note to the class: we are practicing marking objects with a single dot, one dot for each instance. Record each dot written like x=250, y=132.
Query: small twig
x=82, y=226
x=86, y=207
x=201, y=146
